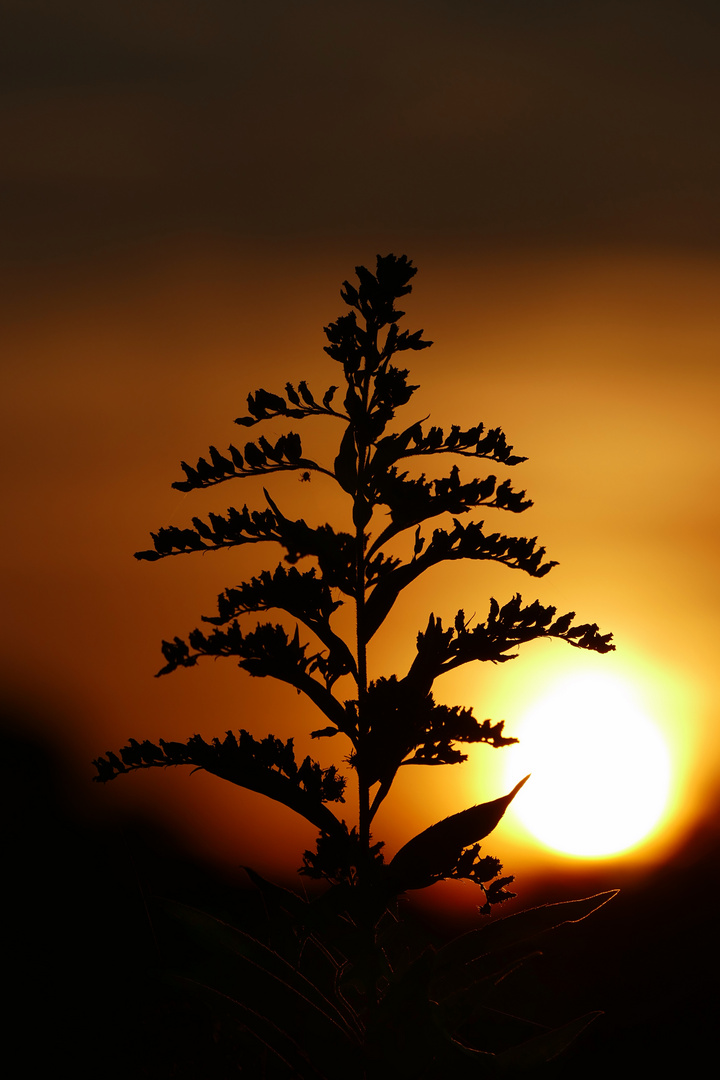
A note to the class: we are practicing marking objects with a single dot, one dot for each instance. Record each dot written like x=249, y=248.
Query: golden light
x=600, y=767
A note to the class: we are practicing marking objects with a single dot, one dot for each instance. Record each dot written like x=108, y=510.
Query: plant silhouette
x=377, y=1007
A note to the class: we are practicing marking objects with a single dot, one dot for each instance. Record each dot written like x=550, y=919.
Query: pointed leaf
x=515, y=929
x=543, y=1047
x=464, y=999
x=433, y=854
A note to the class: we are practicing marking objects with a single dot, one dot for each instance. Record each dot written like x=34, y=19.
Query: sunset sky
x=184, y=188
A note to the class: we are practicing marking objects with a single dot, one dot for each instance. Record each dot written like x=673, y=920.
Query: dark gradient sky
x=498, y=123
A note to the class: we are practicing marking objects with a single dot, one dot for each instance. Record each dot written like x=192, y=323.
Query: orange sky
x=184, y=190
x=600, y=366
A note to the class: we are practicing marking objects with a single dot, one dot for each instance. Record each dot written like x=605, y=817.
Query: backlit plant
x=377, y=1010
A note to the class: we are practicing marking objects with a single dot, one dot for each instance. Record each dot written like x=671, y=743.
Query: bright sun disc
x=600, y=768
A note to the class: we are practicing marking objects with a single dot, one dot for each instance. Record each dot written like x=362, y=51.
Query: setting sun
x=600, y=767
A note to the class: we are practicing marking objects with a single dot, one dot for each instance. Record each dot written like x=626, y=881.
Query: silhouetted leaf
x=249, y=1025
x=543, y=1047
x=305, y=393
x=237, y=458
x=254, y=977
x=468, y=1002
x=433, y=853
x=346, y=462
x=516, y=929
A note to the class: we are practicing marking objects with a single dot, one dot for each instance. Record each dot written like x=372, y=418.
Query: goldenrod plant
x=379, y=1008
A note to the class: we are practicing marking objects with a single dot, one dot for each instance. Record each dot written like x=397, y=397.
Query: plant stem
x=363, y=719
x=363, y=724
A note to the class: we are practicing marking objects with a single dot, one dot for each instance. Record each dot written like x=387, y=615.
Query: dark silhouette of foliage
x=355, y=1025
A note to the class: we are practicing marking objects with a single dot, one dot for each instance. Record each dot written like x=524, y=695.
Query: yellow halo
x=600, y=767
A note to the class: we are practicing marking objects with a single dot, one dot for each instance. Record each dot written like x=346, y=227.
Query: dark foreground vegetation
x=87, y=954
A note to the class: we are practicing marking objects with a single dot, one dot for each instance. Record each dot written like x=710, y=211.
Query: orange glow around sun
x=132, y=368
